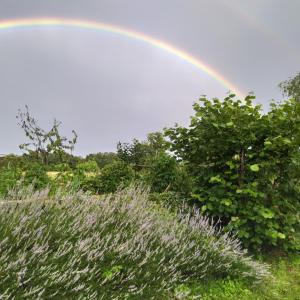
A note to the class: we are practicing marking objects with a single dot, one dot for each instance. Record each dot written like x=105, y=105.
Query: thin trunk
x=242, y=167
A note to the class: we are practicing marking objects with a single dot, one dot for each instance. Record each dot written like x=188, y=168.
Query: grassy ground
x=285, y=285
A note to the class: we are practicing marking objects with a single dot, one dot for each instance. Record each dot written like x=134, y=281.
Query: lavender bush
x=77, y=246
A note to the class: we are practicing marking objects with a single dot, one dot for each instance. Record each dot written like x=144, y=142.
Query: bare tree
x=43, y=142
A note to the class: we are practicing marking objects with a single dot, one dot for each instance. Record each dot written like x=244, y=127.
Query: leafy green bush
x=164, y=173
x=62, y=167
x=102, y=158
x=246, y=167
x=75, y=246
x=88, y=183
x=113, y=176
x=109, y=179
x=11, y=160
x=88, y=166
x=171, y=200
x=9, y=176
x=36, y=175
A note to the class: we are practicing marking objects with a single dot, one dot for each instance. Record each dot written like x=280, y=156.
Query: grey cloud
x=111, y=88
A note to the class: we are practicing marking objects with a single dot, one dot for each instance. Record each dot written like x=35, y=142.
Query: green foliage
x=62, y=167
x=112, y=272
x=66, y=179
x=291, y=87
x=137, y=153
x=165, y=174
x=134, y=154
x=245, y=167
x=80, y=178
x=113, y=176
x=36, y=175
x=12, y=161
x=63, y=157
x=156, y=142
x=88, y=183
x=173, y=201
x=285, y=284
x=88, y=166
x=42, y=143
x=102, y=158
x=9, y=176
x=162, y=172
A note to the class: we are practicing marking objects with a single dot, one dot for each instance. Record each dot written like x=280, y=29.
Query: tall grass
x=76, y=246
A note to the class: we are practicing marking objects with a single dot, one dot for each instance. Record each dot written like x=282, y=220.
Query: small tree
x=43, y=142
x=115, y=175
x=246, y=167
x=137, y=153
x=164, y=173
x=11, y=160
x=291, y=87
x=36, y=176
x=102, y=158
x=134, y=154
x=89, y=166
x=9, y=177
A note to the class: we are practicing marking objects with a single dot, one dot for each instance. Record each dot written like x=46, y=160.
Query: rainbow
x=91, y=25
x=241, y=11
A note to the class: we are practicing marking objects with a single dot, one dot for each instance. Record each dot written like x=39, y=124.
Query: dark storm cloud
x=111, y=88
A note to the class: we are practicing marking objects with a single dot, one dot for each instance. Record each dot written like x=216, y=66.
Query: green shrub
x=11, y=160
x=246, y=167
x=9, y=176
x=88, y=166
x=62, y=167
x=85, y=177
x=161, y=173
x=36, y=175
x=171, y=200
x=113, y=176
x=91, y=183
x=164, y=173
x=102, y=158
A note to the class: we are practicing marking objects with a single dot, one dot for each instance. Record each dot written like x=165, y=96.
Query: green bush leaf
x=267, y=213
x=215, y=179
x=254, y=168
x=281, y=235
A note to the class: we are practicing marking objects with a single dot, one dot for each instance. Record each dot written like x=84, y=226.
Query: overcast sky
x=110, y=88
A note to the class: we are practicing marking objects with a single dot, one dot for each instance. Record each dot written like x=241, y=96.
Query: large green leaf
x=254, y=168
x=267, y=213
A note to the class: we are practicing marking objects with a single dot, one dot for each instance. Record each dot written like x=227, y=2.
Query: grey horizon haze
x=111, y=88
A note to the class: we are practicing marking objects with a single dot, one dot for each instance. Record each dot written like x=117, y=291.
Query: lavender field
x=77, y=246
